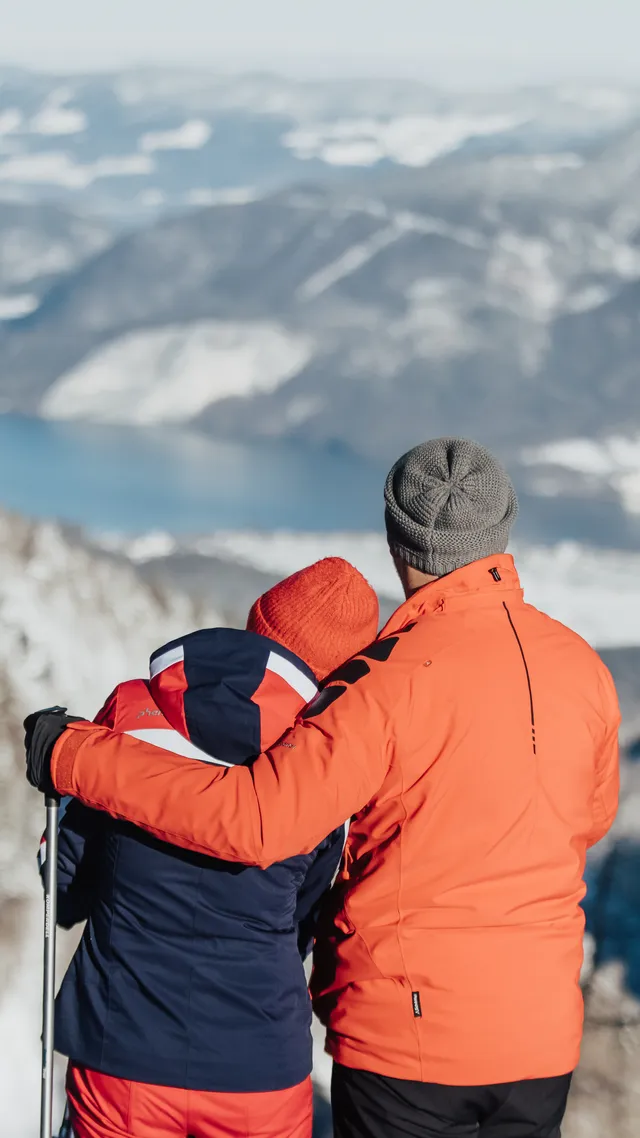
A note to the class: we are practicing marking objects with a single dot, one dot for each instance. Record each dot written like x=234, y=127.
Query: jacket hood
x=232, y=693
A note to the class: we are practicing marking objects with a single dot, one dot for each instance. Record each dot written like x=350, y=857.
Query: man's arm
x=324, y=771
x=607, y=773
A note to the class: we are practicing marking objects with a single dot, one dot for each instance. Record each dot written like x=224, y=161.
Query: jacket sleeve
x=80, y=835
x=607, y=772
x=323, y=771
x=316, y=884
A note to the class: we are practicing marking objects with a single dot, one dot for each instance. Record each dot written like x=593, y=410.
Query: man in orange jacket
x=474, y=745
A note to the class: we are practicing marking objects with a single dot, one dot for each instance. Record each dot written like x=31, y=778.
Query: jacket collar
x=492, y=576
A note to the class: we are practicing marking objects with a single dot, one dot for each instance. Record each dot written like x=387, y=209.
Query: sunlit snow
x=568, y=581
x=190, y=136
x=171, y=374
x=411, y=140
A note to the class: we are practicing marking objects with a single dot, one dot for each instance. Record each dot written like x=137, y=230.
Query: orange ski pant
x=104, y=1107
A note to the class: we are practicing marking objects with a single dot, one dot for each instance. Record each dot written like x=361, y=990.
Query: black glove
x=42, y=730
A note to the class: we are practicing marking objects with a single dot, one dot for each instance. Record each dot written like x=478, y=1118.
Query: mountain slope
x=135, y=144
x=38, y=244
x=72, y=624
x=430, y=296
x=592, y=591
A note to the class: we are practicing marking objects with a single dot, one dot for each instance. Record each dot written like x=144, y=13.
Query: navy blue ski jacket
x=190, y=970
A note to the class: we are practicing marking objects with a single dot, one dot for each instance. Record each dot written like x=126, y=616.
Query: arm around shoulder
x=324, y=771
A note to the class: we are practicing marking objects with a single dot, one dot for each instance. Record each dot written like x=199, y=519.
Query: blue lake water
x=132, y=480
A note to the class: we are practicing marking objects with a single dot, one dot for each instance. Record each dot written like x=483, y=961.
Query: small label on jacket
x=417, y=1007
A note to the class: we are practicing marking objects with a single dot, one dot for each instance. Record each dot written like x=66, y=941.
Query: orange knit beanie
x=324, y=614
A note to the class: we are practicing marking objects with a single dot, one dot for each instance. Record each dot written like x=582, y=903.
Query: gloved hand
x=42, y=730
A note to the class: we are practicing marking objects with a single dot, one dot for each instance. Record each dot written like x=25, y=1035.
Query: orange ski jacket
x=475, y=746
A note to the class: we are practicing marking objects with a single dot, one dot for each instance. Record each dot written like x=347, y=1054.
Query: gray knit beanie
x=448, y=502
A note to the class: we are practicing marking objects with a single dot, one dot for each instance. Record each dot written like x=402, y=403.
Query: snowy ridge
x=354, y=258
x=190, y=136
x=568, y=581
x=42, y=242
x=105, y=123
x=73, y=623
x=614, y=461
x=409, y=140
x=330, y=289
x=57, y=117
x=17, y=305
x=57, y=168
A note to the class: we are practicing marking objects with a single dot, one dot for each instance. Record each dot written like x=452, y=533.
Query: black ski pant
x=374, y=1106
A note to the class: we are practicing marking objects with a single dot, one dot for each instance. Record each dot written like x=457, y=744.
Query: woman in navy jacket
x=185, y=1009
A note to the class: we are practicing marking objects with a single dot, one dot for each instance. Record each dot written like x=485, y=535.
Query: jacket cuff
x=63, y=759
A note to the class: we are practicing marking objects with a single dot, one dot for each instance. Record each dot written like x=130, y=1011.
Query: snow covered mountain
x=439, y=263
x=39, y=243
x=72, y=624
x=200, y=364
x=403, y=278
x=491, y=295
x=135, y=143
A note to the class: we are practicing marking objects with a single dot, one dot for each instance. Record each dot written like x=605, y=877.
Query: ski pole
x=49, y=970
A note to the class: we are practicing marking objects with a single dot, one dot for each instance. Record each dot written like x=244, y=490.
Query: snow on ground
x=171, y=374
x=610, y=100
x=589, y=456
x=63, y=634
x=20, y=304
x=152, y=198
x=436, y=322
x=549, y=163
x=59, y=120
x=72, y=625
x=349, y=262
x=522, y=276
x=58, y=168
x=21, y=1022
x=55, y=117
x=27, y=252
x=615, y=460
x=400, y=222
x=10, y=120
x=236, y=195
x=595, y=592
x=411, y=140
x=190, y=136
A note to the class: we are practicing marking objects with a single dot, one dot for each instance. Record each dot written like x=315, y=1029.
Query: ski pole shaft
x=49, y=971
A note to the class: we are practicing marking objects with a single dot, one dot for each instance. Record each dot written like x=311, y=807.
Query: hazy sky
x=458, y=39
